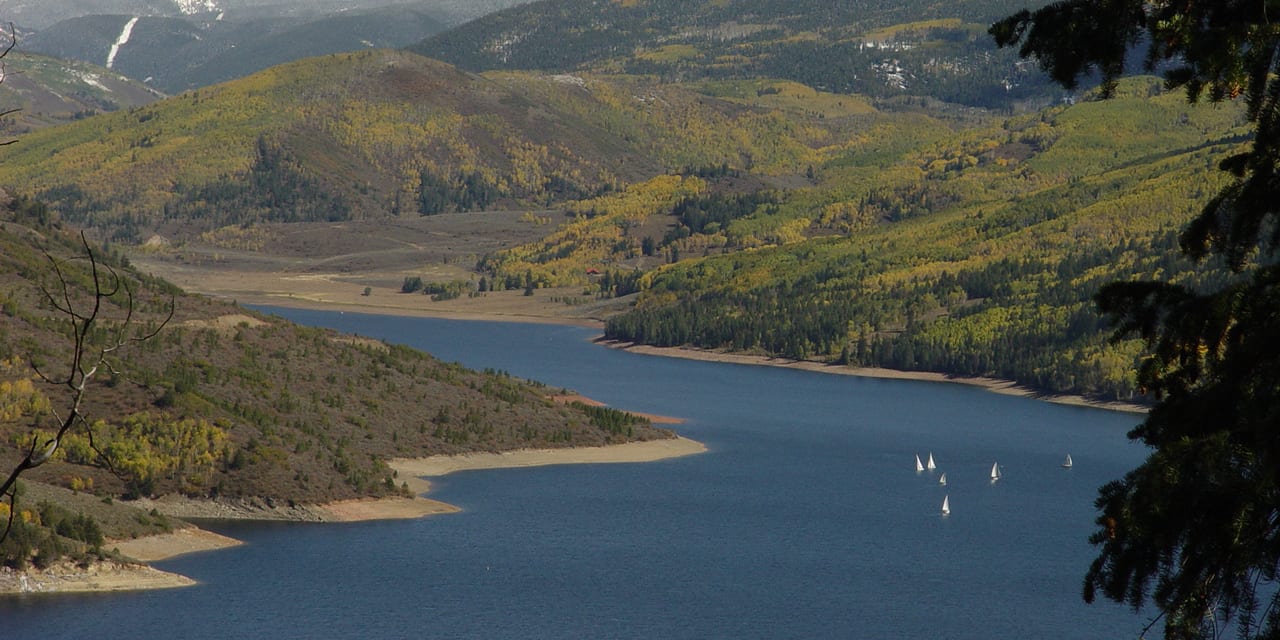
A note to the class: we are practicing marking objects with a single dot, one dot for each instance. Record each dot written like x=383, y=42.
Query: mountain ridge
x=384, y=132
x=175, y=54
x=874, y=48
x=42, y=14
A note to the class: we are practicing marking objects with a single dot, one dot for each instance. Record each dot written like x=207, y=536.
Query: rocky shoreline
x=109, y=575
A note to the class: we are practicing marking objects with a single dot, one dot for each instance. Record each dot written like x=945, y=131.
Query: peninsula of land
x=343, y=293
x=128, y=576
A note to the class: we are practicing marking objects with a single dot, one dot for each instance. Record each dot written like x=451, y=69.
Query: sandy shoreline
x=1006, y=387
x=110, y=575
x=170, y=545
x=413, y=472
x=118, y=576
x=97, y=577
x=386, y=508
x=646, y=451
x=579, y=398
x=406, y=310
x=410, y=471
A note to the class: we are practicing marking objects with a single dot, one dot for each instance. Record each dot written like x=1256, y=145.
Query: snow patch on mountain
x=188, y=7
x=91, y=79
x=121, y=40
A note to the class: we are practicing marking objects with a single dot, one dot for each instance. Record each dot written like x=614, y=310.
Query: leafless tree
x=4, y=73
x=96, y=342
x=95, y=338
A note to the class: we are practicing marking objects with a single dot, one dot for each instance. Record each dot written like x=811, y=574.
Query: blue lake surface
x=806, y=519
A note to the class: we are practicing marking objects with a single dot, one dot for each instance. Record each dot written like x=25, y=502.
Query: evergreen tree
x=1194, y=528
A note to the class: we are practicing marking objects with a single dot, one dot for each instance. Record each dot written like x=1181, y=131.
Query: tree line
x=975, y=322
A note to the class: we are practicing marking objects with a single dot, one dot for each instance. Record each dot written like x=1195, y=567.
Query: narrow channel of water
x=806, y=519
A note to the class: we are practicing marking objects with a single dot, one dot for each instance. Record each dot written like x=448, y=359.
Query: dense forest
x=381, y=133
x=986, y=321
x=972, y=254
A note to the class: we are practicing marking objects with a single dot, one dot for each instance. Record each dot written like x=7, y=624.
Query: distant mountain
x=48, y=91
x=176, y=46
x=881, y=48
x=175, y=54
x=40, y=14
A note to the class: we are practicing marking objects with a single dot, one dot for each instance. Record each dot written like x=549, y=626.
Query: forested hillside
x=872, y=47
x=796, y=222
x=920, y=247
x=226, y=403
x=384, y=133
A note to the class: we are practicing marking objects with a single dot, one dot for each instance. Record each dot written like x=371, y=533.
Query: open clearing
x=329, y=265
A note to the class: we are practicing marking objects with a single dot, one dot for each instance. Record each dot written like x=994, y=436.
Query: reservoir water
x=806, y=519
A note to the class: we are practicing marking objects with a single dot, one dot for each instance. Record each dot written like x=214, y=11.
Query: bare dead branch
x=4, y=75
x=67, y=307
x=102, y=457
x=86, y=361
x=13, y=41
x=13, y=510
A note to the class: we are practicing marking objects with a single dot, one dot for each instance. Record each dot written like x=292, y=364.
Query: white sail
x=946, y=505
x=995, y=471
x=1067, y=463
x=919, y=466
x=942, y=480
x=930, y=465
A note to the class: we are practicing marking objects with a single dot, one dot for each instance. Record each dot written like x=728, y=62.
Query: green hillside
x=759, y=215
x=228, y=404
x=382, y=133
x=917, y=246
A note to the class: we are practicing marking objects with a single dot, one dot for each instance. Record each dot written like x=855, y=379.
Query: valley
x=271, y=260
x=772, y=218
x=329, y=265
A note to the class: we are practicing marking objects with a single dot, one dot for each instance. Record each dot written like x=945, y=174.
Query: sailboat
x=930, y=465
x=919, y=467
x=1067, y=463
x=946, y=505
x=995, y=471
x=942, y=480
